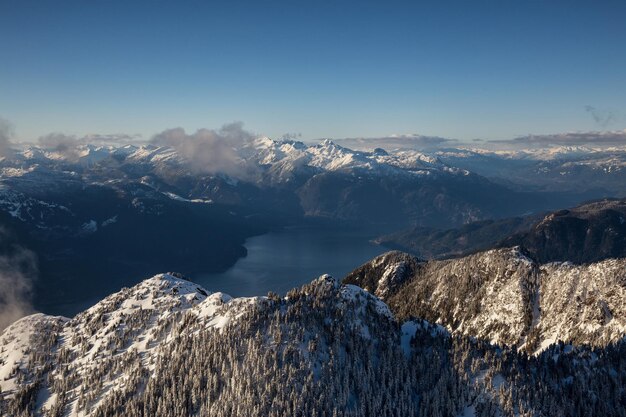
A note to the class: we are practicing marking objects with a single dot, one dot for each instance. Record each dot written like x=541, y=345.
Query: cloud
x=65, y=145
x=69, y=146
x=417, y=142
x=602, y=117
x=291, y=136
x=212, y=151
x=601, y=139
x=18, y=271
x=6, y=135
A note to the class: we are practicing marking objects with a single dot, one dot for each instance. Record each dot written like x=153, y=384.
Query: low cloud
x=69, y=146
x=18, y=271
x=417, y=142
x=603, y=118
x=599, y=139
x=6, y=135
x=211, y=151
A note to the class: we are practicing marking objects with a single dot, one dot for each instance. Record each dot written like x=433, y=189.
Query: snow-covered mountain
x=190, y=207
x=599, y=171
x=167, y=347
x=280, y=175
x=505, y=297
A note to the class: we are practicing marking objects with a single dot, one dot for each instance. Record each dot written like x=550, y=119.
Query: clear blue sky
x=466, y=69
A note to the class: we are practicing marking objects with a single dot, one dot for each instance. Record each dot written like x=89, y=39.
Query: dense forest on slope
x=586, y=233
x=169, y=348
x=504, y=296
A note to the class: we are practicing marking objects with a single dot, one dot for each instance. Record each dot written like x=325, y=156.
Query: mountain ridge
x=504, y=296
x=167, y=347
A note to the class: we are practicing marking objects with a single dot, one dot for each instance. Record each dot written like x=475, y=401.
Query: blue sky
x=491, y=70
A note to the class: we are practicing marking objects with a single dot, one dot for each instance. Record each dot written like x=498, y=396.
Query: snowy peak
x=163, y=292
x=278, y=160
x=136, y=325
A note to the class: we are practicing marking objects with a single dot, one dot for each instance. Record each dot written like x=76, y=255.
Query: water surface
x=281, y=260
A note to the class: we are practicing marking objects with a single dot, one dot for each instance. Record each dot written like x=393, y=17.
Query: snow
x=469, y=411
x=497, y=381
x=194, y=200
x=15, y=346
x=407, y=331
x=89, y=227
x=355, y=294
x=109, y=221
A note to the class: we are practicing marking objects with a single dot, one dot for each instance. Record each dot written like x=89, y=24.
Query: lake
x=281, y=260
x=277, y=261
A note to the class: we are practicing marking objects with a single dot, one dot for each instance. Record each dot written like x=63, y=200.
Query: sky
x=318, y=69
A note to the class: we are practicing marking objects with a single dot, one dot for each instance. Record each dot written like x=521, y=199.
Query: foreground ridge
x=168, y=347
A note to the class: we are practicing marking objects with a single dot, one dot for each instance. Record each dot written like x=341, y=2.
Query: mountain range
x=168, y=347
x=161, y=206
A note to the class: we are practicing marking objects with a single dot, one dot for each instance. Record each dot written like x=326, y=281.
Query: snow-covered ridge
x=135, y=321
x=168, y=347
x=134, y=326
x=280, y=159
x=505, y=297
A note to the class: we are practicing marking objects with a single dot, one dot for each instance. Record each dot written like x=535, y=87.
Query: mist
x=416, y=142
x=594, y=139
x=18, y=271
x=71, y=147
x=6, y=135
x=212, y=151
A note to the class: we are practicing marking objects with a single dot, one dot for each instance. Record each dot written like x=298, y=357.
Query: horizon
x=590, y=139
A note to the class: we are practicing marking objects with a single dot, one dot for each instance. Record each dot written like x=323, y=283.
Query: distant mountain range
x=117, y=212
x=553, y=168
x=287, y=178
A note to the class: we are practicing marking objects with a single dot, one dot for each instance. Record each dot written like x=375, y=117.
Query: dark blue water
x=280, y=261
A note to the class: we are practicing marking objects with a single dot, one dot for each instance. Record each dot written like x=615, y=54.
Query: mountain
x=290, y=179
x=597, y=171
x=167, y=347
x=431, y=243
x=504, y=296
x=116, y=212
x=587, y=233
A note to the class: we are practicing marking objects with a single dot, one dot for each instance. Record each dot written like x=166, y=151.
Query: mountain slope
x=587, y=233
x=505, y=297
x=430, y=243
x=167, y=347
